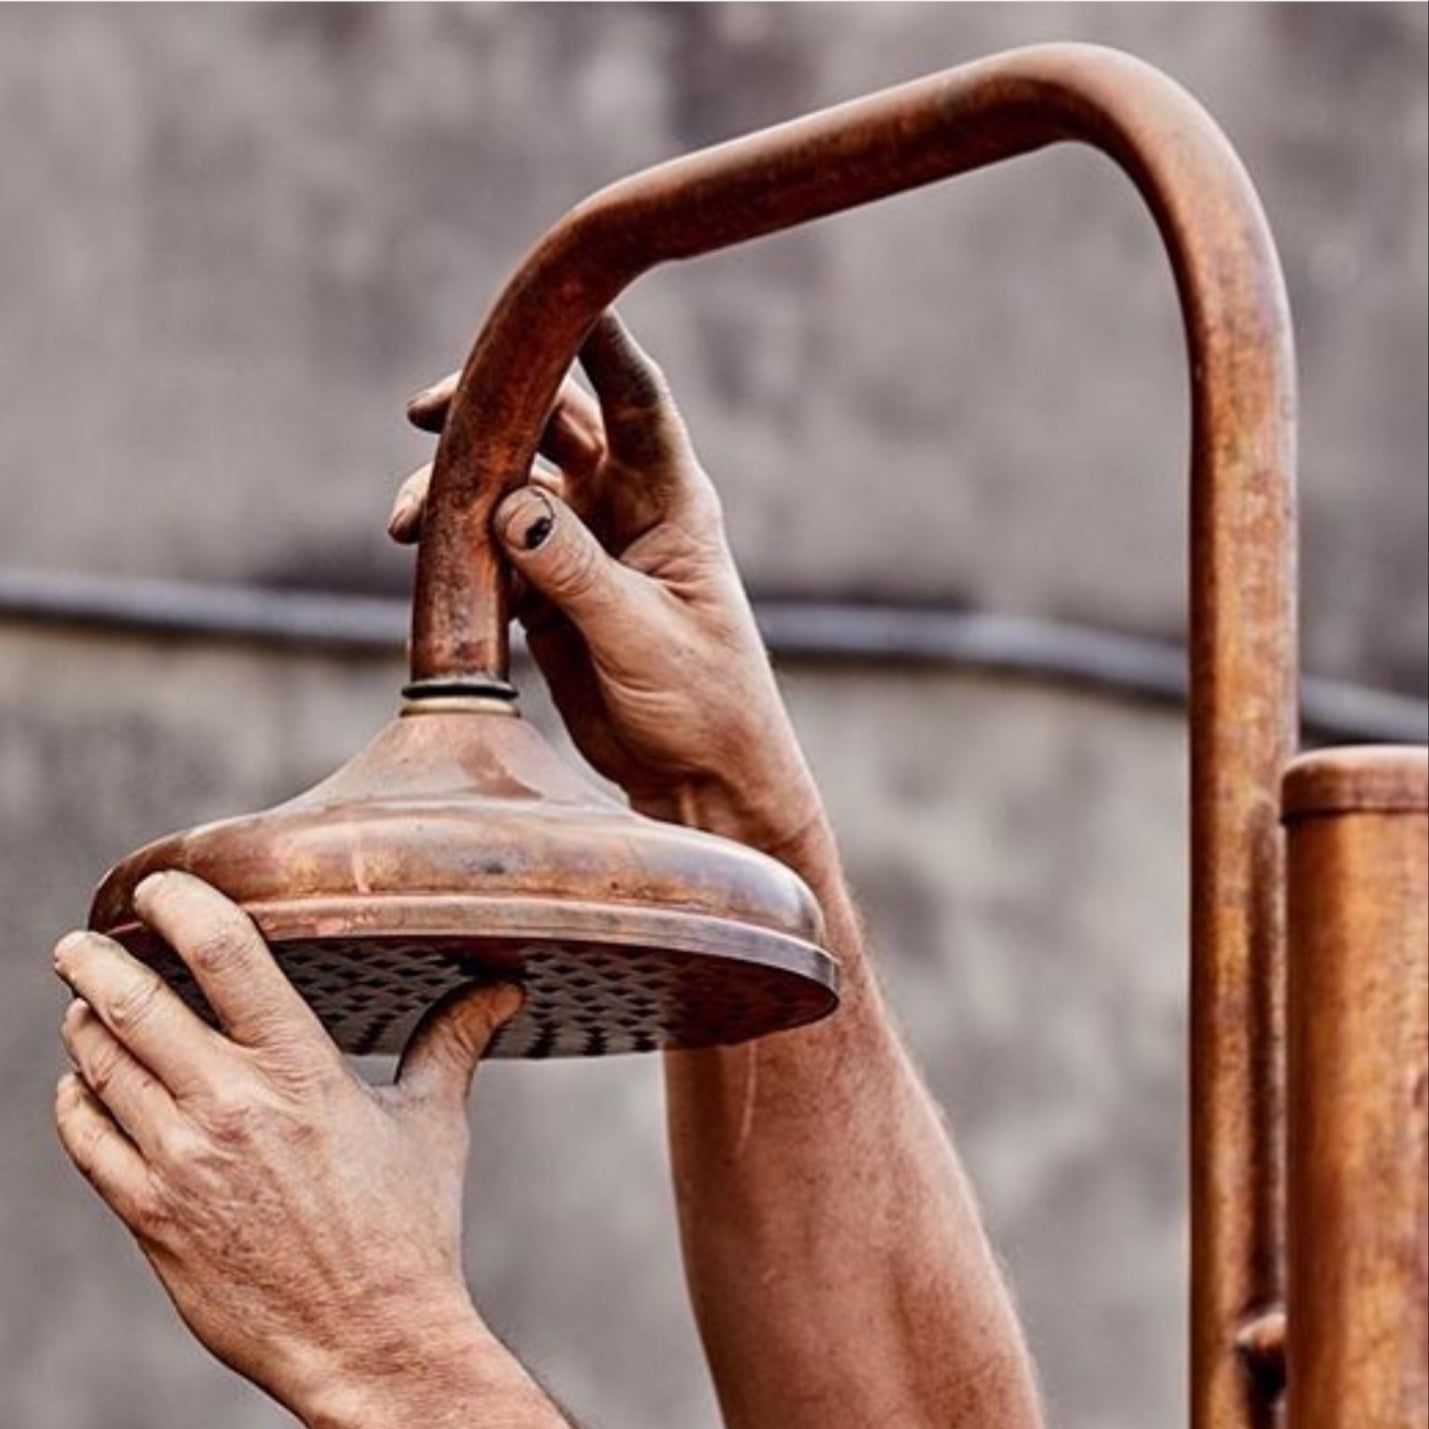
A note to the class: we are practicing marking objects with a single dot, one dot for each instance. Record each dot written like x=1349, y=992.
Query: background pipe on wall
x=856, y=632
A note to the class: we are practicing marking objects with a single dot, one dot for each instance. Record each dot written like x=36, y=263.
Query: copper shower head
x=457, y=847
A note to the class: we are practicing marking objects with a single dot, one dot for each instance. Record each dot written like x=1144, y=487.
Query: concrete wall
x=233, y=238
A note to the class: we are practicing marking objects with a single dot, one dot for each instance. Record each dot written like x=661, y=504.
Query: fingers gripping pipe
x=1242, y=636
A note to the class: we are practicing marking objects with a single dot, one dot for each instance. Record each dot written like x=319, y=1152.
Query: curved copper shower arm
x=1242, y=578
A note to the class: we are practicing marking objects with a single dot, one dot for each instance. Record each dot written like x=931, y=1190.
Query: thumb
x=556, y=553
x=441, y=1055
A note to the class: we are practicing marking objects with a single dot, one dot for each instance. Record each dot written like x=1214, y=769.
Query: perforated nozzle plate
x=588, y=999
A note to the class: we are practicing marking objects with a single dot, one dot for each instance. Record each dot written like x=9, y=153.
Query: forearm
x=837, y=1263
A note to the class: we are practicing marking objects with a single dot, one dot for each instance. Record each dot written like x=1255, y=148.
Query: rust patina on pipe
x=1359, y=1066
x=1241, y=532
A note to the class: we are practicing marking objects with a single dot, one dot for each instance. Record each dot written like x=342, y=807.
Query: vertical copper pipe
x=1243, y=717
x=1359, y=1066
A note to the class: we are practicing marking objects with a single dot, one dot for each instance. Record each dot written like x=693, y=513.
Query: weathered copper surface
x=457, y=846
x=1359, y=1076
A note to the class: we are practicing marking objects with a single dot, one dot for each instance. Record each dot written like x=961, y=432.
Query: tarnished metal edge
x=534, y=919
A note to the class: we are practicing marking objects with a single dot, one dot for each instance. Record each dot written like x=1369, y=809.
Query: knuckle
x=303, y=1095
x=637, y=378
x=232, y=1118
x=301, y=1133
x=153, y=1209
x=137, y=1003
x=142, y=1083
x=646, y=388
x=644, y=397
x=103, y=1067
x=179, y=1144
x=152, y=1212
x=224, y=946
x=89, y=1143
x=576, y=567
x=650, y=437
x=706, y=513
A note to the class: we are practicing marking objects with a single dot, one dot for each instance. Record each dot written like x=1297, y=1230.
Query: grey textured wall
x=233, y=238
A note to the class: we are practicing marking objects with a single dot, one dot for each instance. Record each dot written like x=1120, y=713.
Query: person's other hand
x=632, y=605
x=306, y=1225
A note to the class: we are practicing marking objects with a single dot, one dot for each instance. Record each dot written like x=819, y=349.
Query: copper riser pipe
x=1242, y=615
x=1359, y=1067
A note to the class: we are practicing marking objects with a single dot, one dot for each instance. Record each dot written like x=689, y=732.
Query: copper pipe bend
x=1241, y=521
x=837, y=159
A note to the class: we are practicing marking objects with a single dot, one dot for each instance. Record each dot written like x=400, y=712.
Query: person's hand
x=306, y=1225
x=633, y=607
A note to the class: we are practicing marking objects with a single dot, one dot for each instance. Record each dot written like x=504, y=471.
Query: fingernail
x=528, y=519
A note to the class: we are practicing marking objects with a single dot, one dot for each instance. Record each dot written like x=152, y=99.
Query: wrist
x=443, y=1371
x=783, y=819
x=777, y=816
x=788, y=822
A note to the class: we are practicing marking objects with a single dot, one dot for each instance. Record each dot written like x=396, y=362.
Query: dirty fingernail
x=538, y=532
x=528, y=518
